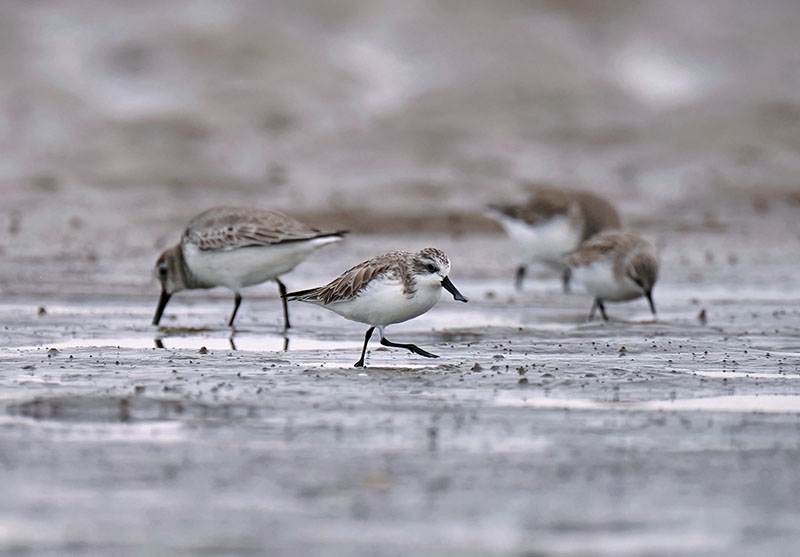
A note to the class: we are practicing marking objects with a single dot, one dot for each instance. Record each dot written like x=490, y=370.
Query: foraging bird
x=616, y=266
x=387, y=289
x=236, y=247
x=551, y=224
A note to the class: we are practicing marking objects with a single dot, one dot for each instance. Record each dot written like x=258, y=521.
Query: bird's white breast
x=599, y=280
x=383, y=302
x=238, y=267
x=546, y=241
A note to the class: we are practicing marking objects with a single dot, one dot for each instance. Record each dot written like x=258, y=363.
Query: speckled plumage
x=236, y=247
x=616, y=266
x=390, y=288
x=394, y=266
x=595, y=212
x=226, y=228
x=552, y=223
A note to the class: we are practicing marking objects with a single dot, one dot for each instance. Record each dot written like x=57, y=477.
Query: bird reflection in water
x=159, y=343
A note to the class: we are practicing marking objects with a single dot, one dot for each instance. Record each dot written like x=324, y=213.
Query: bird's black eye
x=162, y=272
x=431, y=268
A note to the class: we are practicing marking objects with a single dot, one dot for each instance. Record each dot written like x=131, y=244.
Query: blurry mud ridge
x=394, y=108
x=125, y=409
x=380, y=222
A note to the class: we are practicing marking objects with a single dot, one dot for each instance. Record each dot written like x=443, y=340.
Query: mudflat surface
x=535, y=432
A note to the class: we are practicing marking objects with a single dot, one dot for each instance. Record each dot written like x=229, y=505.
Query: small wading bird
x=551, y=224
x=390, y=288
x=616, y=266
x=236, y=247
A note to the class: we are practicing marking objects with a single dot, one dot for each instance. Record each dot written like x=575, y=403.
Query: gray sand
x=536, y=433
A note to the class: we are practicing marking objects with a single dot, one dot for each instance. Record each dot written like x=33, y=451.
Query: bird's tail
x=329, y=236
x=309, y=295
x=499, y=212
x=335, y=234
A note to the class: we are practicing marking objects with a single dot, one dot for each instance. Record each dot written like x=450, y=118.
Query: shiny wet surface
x=534, y=433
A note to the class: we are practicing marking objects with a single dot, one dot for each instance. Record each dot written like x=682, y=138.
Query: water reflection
x=726, y=403
x=275, y=343
x=223, y=341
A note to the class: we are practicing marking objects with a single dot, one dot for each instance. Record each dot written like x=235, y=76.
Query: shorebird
x=616, y=266
x=387, y=289
x=236, y=247
x=551, y=224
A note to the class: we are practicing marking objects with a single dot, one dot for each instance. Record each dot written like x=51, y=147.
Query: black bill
x=162, y=303
x=447, y=285
x=649, y=296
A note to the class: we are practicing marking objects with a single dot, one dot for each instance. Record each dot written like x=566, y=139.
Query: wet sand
x=535, y=432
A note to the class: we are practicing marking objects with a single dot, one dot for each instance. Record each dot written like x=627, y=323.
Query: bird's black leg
x=236, y=301
x=566, y=276
x=411, y=347
x=282, y=290
x=519, y=277
x=598, y=303
x=360, y=362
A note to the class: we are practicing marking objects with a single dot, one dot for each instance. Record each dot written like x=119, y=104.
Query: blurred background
x=120, y=120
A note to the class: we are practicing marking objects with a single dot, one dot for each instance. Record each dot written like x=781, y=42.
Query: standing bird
x=390, y=288
x=616, y=266
x=236, y=247
x=551, y=224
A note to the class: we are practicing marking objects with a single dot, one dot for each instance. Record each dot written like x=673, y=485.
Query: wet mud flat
x=535, y=433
